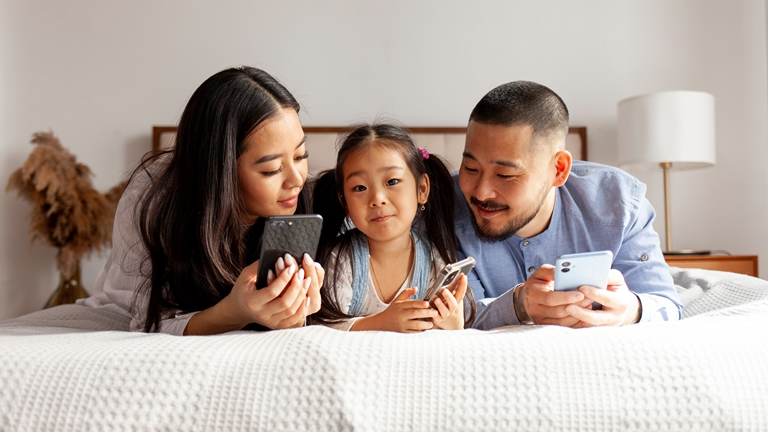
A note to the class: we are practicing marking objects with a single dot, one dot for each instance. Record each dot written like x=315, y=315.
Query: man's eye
x=468, y=169
x=392, y=182
x=358, y=188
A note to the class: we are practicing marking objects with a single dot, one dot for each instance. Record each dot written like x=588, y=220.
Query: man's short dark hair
x=520, y=103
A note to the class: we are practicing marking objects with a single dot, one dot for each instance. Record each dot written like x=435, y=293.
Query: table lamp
x=667, y=130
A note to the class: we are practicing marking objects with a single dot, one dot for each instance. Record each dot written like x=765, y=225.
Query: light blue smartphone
x=575, y=270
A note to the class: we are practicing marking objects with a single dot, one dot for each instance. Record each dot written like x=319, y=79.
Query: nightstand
x=744, y=264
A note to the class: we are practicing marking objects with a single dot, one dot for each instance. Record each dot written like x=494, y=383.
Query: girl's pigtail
x=437, y=219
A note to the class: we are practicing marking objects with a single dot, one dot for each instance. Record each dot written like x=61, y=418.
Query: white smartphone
x=447, y=275
x=575, y=270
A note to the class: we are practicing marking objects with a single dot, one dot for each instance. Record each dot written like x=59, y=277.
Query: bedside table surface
x=744, y=264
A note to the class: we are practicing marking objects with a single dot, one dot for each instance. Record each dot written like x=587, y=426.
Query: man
x=525, y=202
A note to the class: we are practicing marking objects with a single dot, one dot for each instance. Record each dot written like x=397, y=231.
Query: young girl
x=381, y=184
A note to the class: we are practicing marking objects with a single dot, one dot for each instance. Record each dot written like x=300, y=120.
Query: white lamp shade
x=674, y=126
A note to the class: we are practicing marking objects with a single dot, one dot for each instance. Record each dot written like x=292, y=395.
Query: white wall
x=101, y=73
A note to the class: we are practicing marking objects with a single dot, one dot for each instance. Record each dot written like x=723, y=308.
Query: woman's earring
x=422, y=207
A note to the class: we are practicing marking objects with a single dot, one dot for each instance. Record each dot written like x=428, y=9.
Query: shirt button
x=644, y=257
x=526, y=243
x=531, y=269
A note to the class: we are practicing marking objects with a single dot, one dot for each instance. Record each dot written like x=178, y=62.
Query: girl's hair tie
x=424, y=153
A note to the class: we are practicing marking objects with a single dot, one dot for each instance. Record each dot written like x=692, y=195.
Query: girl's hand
x=451, y=307
x=402, y=315
x=283, y=303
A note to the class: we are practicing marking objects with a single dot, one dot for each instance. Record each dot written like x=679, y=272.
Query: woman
x=188, y=226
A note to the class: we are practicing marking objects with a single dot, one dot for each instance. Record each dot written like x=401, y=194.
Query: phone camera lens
x=273, y=223
x=565, y=270
x=566, y=264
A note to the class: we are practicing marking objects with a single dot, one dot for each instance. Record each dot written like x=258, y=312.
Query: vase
x=69, y=290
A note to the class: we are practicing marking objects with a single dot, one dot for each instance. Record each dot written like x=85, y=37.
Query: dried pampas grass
x=67, y=212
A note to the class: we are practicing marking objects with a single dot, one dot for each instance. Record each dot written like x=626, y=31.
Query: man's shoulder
x=601, y=190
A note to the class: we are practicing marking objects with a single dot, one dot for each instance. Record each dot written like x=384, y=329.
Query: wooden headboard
x=447, y=142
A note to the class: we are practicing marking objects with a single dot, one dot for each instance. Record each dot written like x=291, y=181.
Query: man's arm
x=641, y=288
x=642, y=264
x=491, y=312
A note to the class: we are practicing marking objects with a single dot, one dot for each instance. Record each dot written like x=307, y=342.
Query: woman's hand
x=451, y=307
x=402, y=315
x=283, y=303
x=316, y=273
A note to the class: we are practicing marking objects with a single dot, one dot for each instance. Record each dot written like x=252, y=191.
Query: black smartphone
x=294, y=234
x=447, y=275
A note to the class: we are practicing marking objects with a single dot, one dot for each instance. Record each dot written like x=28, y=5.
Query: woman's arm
x=282, y=304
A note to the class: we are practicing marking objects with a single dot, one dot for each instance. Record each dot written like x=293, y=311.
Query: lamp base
x=688, y=252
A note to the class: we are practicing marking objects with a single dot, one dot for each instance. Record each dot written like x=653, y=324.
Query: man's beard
x=486, y=234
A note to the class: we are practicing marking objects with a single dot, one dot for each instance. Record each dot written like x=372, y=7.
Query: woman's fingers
x=296, y=319
x=273, y=292
x=297, y=308
x=313, y=271
x=286, y=299
x=320, y=274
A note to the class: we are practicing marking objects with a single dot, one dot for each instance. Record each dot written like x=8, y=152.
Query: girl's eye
x=302, y=157
x=272, y=173
x=392, y=182
x=358, y=188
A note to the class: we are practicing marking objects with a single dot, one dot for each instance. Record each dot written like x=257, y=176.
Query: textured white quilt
x=73, y=368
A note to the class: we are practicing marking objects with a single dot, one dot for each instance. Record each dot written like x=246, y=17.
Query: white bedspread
x=71, y=368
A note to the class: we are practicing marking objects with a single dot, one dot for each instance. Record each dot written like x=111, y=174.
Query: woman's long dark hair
x=191, y=217
x=435, y=222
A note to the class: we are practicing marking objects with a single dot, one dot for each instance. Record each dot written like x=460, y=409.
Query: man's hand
x=620, y=305
x=547, y=306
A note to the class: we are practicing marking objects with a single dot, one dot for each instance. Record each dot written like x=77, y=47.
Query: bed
x=77, y=368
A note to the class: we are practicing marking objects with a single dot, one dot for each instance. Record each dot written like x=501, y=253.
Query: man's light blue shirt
x=598, y=208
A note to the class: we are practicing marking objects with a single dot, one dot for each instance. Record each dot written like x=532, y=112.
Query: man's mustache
x=488, y=205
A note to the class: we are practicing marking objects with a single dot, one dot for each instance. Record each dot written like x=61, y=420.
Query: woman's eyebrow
x=272, y=157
